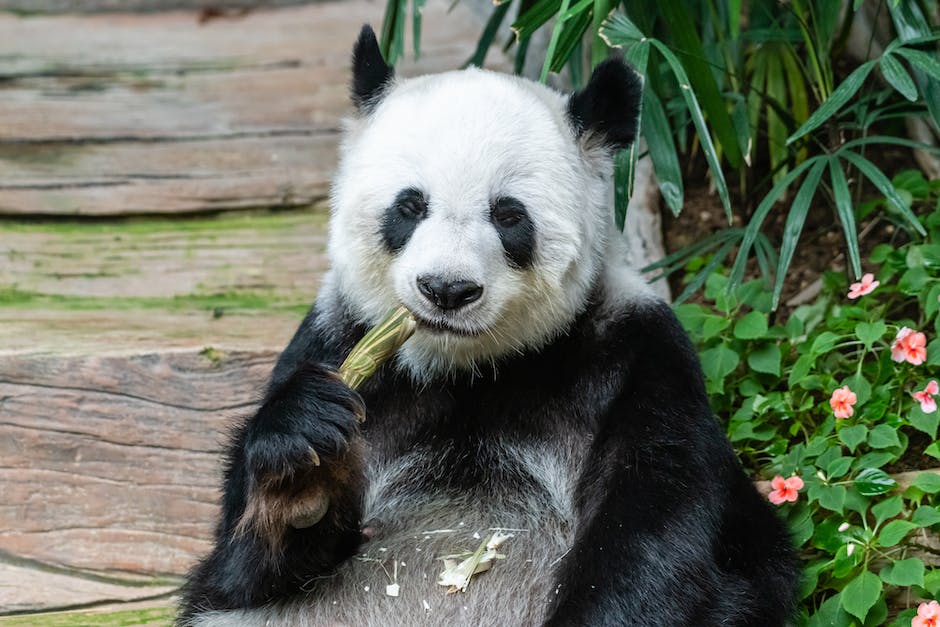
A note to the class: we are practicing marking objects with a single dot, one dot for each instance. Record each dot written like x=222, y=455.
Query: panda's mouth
x=444, y=326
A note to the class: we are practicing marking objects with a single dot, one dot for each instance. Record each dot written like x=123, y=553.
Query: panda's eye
x=412, y=204
x=507, y=212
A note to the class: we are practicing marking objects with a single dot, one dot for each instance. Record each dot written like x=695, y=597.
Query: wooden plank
x=146, y=114
x=111, y=462
x=277, y=258
x=30, y=589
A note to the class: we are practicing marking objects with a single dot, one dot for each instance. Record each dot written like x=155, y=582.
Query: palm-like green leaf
x=879, y=180
x=840, y=190
x=662, y=150
x=839, y=97
x=489, y=34
x=686, y=39
x=695, y=111
x=796, y=218
x=752, y=230
x=898, y=77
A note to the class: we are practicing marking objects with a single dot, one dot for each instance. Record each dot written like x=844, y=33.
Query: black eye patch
x=401, y=218
x=516, y=230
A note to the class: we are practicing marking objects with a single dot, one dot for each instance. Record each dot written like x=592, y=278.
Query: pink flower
x=866, y=286
x=785, y=489
x=909, y=345
x=841, y=402
x=927, y=404
x=928, y=615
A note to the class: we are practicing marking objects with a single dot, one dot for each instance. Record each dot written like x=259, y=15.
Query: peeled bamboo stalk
x=377, y=346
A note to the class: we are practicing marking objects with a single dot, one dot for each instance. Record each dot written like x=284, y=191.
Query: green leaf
x=532, y=19
x=760, y=214
x=883, y=436
x=894, y=532
x=392, y=38
x=874, y=481
x=879, y=180
x=800, y=369
x=794, y=226
x=557, y=30
x=601, y=12
x=698, y=120
x=870, y=332
x=909, y=572
x=888, y=508
x=860, y=594
x=618, y=31
x=929, y=482
x=853, y=436
x=662, y=150
x=921, y=421
x=751, y=326
x=832, y=497
x=840, y=189
x=921, y=60
x=765, y=359
x=926, y=516
x=719, y=362
x=838, y=467
x=898, y=77
x=824, y=343
x=836, y=100
x=858, y=384
x=685, y=37
x=486, y=37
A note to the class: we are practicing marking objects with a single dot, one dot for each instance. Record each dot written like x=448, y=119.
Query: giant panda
x=547, y=393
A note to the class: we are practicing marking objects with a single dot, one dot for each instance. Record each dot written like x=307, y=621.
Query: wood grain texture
x=111, y=463
x=119, y=114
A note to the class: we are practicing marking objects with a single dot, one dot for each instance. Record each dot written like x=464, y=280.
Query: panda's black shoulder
x=645, y=337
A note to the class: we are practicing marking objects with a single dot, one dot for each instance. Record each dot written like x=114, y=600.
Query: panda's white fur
x=481, y=135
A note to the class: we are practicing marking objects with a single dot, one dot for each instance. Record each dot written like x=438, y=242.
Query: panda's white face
x=477, y=200
x=466, y=197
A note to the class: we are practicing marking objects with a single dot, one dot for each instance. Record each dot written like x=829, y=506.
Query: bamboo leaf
x=796, y=218
x=760, y=214
x=602, y=9
x=489, y=34
x=572, y=34
x=702, y=79
x=618, y=31
x=696, y=113
x=776, y=129
x=921, y=60
x=417, y=6
x=720, y=255
x=392, y=40
x=898, y=77
x=879, y=180
x=530, y=21
x=840, y=190
x=624, y=173
x=662, y=150
x=840, y=95
x=553, y=42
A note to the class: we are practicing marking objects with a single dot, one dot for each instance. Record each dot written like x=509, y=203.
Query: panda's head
x=478, y=200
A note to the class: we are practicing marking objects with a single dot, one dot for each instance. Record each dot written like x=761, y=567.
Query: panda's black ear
x=608, y=106
x=371, y=74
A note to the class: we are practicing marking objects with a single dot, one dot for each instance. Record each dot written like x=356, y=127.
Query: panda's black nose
x=449, y=294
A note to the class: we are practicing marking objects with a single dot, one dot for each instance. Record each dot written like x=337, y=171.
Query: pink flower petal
x=932, y=388
x=794, y=483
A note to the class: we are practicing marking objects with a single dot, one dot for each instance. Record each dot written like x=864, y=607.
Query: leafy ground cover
x=831, y=401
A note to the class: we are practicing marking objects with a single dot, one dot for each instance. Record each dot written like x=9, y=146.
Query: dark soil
x=821, y=246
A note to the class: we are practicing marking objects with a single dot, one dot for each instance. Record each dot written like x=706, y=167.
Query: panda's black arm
x=301, y=444
x=656, y=493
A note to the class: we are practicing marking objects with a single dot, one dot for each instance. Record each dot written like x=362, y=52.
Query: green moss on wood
x=121, y=618
x=244, y=220
x=218, y=304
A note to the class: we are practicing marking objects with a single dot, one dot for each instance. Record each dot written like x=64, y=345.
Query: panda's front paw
x=302, y=457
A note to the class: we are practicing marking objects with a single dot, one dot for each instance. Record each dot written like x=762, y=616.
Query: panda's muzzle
x=449, y=295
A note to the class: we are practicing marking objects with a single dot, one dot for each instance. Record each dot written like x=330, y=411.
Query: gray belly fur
x=415, y=528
